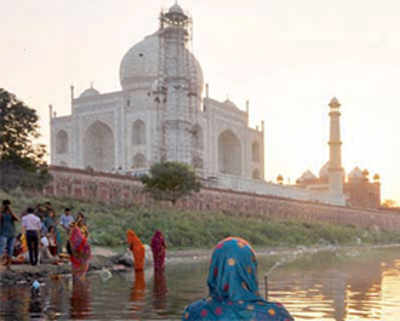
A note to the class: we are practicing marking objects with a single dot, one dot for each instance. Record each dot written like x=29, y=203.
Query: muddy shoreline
x=106, y=259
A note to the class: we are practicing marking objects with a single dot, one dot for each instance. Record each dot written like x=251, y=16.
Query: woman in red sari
x=80, y=252
x=137, y=249
x=158, y=248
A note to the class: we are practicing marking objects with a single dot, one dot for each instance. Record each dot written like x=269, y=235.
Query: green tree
x=170, y=181
x=22, y=162
x=389, y=203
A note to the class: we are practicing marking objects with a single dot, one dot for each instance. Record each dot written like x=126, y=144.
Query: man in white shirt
x=32, y=225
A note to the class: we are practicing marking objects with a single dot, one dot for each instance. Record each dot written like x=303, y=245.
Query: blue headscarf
x=233, y=287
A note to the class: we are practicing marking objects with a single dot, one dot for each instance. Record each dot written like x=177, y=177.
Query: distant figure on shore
x=137, y=249
x=53, y=241
x=158, y=248
x=65, y=221
x=20, y=255
x=51, y=225
x=7, y=232
x=32, y=226
x=80, y=252
x=233, y=288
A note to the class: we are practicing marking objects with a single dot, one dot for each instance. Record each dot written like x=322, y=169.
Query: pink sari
x=80, y=253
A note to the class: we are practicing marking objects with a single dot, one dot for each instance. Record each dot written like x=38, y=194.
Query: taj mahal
x=163, y=112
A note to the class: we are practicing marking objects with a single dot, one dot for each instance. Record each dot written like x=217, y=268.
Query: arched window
x=139, y=161
x=256, y=174
x=229, y=153
x=138, y=133
x=62, y=142
x=197, y=137
x=64, y=164
x=99, y=147
x=255, y=151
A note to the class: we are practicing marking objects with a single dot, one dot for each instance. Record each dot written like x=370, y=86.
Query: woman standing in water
x=81, y=222
x=233, y=288
x=80, y=252
x=158, y=248
x=137, y=249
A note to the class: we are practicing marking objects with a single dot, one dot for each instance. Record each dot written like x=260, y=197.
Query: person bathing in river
x=80, y=252
x=137, y=249
x=7, y=232
x=158, y=247
x=233, y=288
x=81, y=223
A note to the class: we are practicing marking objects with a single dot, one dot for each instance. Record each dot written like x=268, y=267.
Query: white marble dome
x=141, y=64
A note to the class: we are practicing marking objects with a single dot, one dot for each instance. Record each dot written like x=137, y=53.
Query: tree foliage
x=389, y=203
x=22, y=162
x=170, y=181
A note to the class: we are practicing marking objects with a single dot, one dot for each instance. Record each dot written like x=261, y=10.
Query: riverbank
x=194, y=229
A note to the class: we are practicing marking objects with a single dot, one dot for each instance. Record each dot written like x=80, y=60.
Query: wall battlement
x=124, y=190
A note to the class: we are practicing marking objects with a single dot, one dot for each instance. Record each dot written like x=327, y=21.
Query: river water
x=335, y=285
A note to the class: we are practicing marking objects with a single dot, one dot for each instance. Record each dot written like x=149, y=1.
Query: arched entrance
x=62, y=142
x=229, y=153
x=99, y=147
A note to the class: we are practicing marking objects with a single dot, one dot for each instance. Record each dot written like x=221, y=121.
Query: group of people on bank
x=232, y=280
x=42, y=235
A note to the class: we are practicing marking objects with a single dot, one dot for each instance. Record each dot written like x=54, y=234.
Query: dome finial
x=334, y=103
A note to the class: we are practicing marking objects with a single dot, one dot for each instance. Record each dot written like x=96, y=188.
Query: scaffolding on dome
x=176, y=26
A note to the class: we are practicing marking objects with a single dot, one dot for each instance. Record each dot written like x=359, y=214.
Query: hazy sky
x=288, y=57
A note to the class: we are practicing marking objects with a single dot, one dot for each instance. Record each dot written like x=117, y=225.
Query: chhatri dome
x=324, y=171
x=307, y=176
x=356, y=173
x=89, y=92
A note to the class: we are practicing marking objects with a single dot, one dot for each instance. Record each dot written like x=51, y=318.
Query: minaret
x=336, y=174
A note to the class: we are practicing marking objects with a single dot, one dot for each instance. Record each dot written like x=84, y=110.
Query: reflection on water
x=138, y=294
x=330, y=286
x=160, y=290
x=80, y=299
x=337, y=290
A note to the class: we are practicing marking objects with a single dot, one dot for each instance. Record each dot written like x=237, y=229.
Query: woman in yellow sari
x=137, y=249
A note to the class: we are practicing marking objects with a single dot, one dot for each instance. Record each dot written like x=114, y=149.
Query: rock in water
x=105, y=275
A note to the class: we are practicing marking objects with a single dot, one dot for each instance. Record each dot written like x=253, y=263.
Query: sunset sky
x=288, y=57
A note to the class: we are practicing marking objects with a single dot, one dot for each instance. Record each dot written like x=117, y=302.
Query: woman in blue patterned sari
x=233, y=288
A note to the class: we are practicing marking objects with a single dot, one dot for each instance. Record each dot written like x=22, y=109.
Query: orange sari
x=137, y=248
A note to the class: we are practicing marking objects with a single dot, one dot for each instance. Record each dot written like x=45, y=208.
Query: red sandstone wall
x=111, y=188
